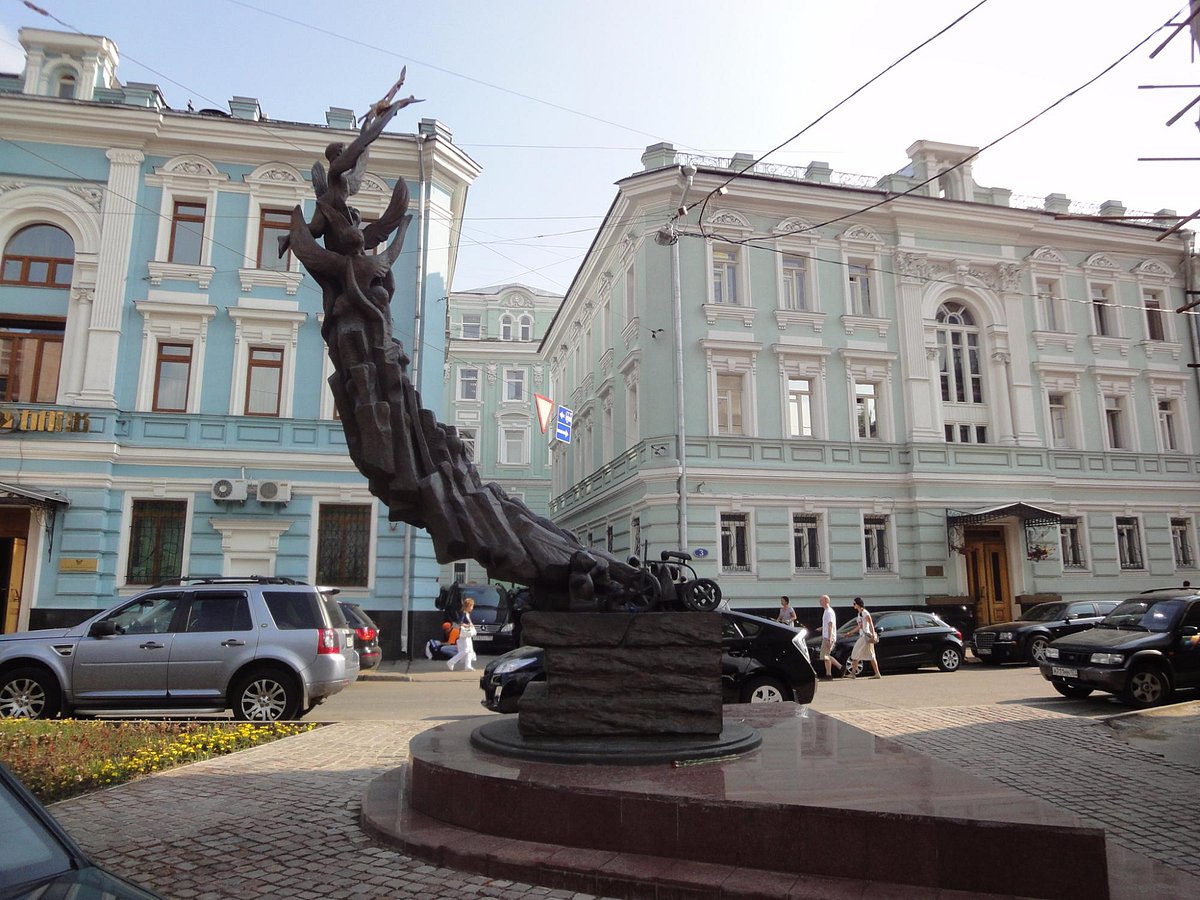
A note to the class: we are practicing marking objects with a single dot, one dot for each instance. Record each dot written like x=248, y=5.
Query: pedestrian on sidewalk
x=787, y=615
x=864, y=647
x=828, y=637
x=466, y=636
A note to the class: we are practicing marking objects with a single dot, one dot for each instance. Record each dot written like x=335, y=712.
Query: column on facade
x=1003, y=404
x=104, y=332
x=79, y=314
x=1020, y=370
x=921, y=383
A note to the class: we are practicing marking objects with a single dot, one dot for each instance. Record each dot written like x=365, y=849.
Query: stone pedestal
x=644, y=675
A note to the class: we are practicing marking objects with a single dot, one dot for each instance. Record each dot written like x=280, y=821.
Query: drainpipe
x=414, y=354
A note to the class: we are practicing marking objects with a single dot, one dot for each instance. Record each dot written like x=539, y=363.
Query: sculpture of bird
x=386, y=102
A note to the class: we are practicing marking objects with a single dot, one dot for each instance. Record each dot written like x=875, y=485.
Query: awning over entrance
x=45, y=498
x=1026, y=512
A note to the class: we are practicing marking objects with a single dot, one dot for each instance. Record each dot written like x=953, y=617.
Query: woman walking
x=864, y=647
x=466, y=635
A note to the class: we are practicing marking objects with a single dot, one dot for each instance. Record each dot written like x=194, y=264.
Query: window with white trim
x=1061, y=432
x=469, y=435
x=799, y=408
x=632, y=425
x=735, y=542
x=1182, y=543
x=794, y=270
x=1116, y=428
x=1050, y=305
x=460, y=573
x=514, y=445
x=866, y=412
x=1168, y=425
x=1129, y=542
x=506, y=327
x=858, y=281
x=1103, y=314
x=630, y=294
x=876, y=548
x=172, y=377
x=344, y=537
x=1156, y=327
x=525, y=328
x=514, y=385
x=468, y=384
x=958, y=354
x=730, y=403
x=1074, y=552
x=264, y=381
x=726, y=259
x=264, y=368
x=806, y=542
x=471, y=328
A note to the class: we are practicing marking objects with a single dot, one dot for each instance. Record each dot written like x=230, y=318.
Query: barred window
x=344, y=545
x=1071, y=533
x=156, y=531
x=1129, y=543
x=1181, y=543
x=806, y=542
x=875, y=543
x=735, y=554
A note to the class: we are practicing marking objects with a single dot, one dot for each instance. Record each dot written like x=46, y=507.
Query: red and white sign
x=545, y=406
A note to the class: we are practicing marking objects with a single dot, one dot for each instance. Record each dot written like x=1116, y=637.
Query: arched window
x=506, y=327
x=39, y=255
x=961, y=371
x=65, y=86
x=527, y=328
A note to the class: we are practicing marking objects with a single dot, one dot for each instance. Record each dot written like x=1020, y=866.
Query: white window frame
x=739, y=359
x=1051, y=312
x=1154, y=306
x=473, y=321
x=506, y=427
x=788, y=281
x=519, y=378
x=1116, y=421
x=275, y=186
x=870, y=367
x=506, y=327
x=821, y=530
x=1065, y=441
x=189, y=498
x=172, y=319
x=630, y=293
x=459, y=394
x=860, y=272
x=469, y=435
x=1106, y=312
x=727, y=260
x=1167, y=424
x=1128, y=533
x=525, y=328
x=726, y=399
x=803, y=362
x=1077, y=526
x=747, y=521
x=872, y=521
x=1174, y=388
x=1183, y=542
x=319, y=502
x=258, y=327
x=186, y=179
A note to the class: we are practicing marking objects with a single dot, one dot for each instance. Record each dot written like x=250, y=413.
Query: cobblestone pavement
x=1143, y=801
x=281, y=820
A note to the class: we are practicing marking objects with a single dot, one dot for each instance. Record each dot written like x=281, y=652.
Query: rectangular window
x=630, y=295
x=272, y=225
x=1047, y=300
x=468, y=384
x=1101, y=300
x=806, y=542
x=735, y=554
x=859, y=277
x=172, y=375
x=156, y=532
x=865, y=411
x=725, y=276
x=514, y=441
x=460, y=573
x=1070, y=530
x=29, y=364
x=959, y=433
x=472, y=326
x=875, y=543
x=1155, y=326
x=264, y=381
x=1181, y=543
x=959, y=364
x=187, y=232
x=799, y=408
x=1129, y=543
x=469, y=438
x=729, y=404
x=1060, y=435
x=1114, y=422
x=1168, y=430
x=514, y=384
x=795, y=282
x=344, y=544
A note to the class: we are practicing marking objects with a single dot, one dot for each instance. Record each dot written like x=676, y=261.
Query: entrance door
x=14, y=529
x=987, y=575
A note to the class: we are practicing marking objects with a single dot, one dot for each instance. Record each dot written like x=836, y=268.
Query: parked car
x=761, y=661
x=491, y=615
x=1143, y=651
x=1027, y=638
x=267, y=648
x=366, y=635
x=38, y=859
x=907, y=640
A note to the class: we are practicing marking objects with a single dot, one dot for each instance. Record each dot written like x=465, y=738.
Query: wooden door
x=13, y=549
x=987, y=575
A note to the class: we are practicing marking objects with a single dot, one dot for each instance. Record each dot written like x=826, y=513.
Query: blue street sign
x=562, y=428
x=700, y=553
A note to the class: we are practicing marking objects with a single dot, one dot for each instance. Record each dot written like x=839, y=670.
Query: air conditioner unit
x=274, y=492
x=229, y=489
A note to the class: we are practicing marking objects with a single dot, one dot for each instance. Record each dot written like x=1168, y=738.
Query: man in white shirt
x=828, y=636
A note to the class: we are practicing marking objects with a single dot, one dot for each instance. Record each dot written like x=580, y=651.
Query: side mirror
x=1189, y=631
x=103, y=628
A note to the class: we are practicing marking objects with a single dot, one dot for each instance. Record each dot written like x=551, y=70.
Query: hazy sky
x=557, y=100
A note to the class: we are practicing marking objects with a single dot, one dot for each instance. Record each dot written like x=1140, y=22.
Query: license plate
x=1064, y=672
x=983, y=651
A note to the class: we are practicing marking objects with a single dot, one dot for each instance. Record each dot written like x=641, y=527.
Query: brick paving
x=282, y=820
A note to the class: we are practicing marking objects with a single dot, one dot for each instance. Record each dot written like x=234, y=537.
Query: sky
x=557, y=100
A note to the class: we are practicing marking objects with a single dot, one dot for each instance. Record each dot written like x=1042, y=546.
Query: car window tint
x=146, y=615
x=219, y=612
x=893, y=622
x=293, y=610
x=924, y=621
x=31, y=853
x=336, y=617
x=1192, y=617
x=352, y=615
x=1081, y=609
x=748, y=627
x=729, y=631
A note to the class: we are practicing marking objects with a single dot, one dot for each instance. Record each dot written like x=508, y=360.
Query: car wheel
x=1147, y=687
x=1036, y=651
x=267, y=695
x=949, y=659
x=765, y=689
x=1073, y=691
x=853, y=667
x=643, y=594
x=29, y=693
x=702, y=595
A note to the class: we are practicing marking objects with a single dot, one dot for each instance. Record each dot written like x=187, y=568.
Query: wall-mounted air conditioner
x=274, y=492
x=230, y=489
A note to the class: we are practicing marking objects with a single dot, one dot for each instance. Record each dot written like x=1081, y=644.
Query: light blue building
x=912, y=389
x=163, y=405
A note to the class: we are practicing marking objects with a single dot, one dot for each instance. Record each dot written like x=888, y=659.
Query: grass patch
x=65, y=758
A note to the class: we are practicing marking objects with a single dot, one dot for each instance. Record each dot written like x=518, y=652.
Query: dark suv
x=366, y=635
x=493, y=627
x=1142, y=651
x=1027, y=638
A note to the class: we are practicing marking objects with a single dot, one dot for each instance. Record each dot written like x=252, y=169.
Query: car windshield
x=1045, y=612
x=1146, y=615
x=31, y=852
x=482, y=594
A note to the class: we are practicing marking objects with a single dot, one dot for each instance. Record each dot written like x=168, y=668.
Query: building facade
x=912, y=389
x=163, y=405
x=493, y=374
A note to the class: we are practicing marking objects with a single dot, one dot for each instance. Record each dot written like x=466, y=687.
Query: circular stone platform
x=503, y=737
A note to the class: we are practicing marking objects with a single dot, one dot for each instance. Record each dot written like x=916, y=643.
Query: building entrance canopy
x=16, y=495
x=1026, y=512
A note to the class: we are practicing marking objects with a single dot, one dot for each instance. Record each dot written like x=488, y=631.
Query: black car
x=1027, y=638
x=762, y=662
x=39, y=859
x=907, y=640
x=366, y=635
x=1143, y=651
x=491, y=615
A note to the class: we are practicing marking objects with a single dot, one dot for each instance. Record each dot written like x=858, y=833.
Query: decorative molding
x=252, y=278
x=729, y=220
x=182, y=165
x=862, y=234
x=202, y=275
x=1154, y=268
x=1101, y=261
x=866, y=323
x=1044, y=339
x=787, y=317
x=1099, y=343
x=743, y=314
x=1048, y=256
x=92, y=196
x=1166, y=349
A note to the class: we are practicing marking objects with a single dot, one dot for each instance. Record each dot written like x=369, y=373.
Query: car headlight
x=513, y=665
x=1108, y=659
x=1005, y=636
x=1051, y=653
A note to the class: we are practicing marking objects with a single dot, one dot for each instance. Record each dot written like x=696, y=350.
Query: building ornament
x=518, y=301
x=1001, y=357
x=539, y=373
x=93, y=197
x=83, y=294
x=1101, y=261
x=184, y=165
x=861, y=233
x=491, y=373
x=1047, y=255
x=1009, y=276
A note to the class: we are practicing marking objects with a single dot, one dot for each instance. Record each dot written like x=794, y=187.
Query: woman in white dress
x=466, y=634
x=864, y=647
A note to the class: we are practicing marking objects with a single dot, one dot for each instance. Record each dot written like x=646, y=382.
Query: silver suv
x=267, y=648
